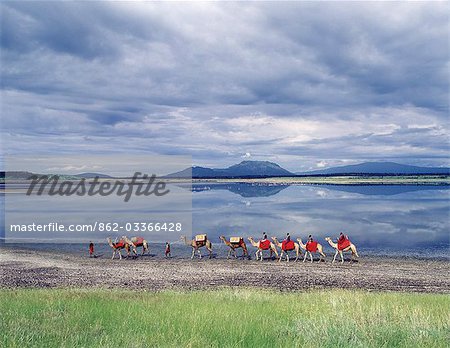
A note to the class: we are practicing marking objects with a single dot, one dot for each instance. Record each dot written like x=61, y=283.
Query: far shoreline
x=357, y=179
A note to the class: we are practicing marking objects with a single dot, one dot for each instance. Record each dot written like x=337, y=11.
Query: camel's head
x=274, y=239
x=222, y=238
x=250, y=239
x=327, y=239
x=183, y=237
x=300, y=240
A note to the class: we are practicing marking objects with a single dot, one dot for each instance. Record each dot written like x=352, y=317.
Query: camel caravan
x=287, y=247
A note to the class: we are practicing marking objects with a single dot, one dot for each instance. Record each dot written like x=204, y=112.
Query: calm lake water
x=380, y=220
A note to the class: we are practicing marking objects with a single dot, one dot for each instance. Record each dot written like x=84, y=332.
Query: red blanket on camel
x=287, y=245
x=311, y=246
x=343, y=243
x=119, y=244
x=139, y=241
x=264, y=244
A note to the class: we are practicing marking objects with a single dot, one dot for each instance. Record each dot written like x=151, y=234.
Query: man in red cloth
x=311, y=244
x=343, y=241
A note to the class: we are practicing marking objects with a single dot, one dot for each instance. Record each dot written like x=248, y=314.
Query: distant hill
x=16, y=175
x=379, y=168
x=243, y=169
x=24, y=175
x=93, y=175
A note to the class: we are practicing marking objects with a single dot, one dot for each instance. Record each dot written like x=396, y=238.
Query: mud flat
x=39, y=269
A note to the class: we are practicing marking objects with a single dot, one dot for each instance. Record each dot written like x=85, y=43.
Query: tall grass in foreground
x=223, y=318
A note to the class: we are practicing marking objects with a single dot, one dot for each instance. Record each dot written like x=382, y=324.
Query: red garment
x=119, y=244
x=287, y=245
x=343, y=243
x=264, y=244
x=311, y=246
x=139, y=241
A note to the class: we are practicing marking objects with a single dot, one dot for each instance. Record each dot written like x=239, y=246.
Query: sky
x=306, y=85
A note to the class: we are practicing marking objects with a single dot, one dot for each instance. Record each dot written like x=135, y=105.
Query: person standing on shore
x=91, y=249
x=167, y=251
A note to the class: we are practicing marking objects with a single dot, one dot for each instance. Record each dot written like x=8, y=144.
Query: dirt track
x=38, y=269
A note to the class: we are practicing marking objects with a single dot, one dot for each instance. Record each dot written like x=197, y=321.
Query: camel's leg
x=306, y=255
x=287, y=256
x=114, y=254
x=120, y=255
x=199, y=253
x=235, y=256
x=342, y=256
x=229, y=252
x=274, y=250
x=322, y=255
x=281, y=256
x=334, y=258
x=245, y=252
x=354, y=250
x=311, y=256
x=296, y=254
x=193, y=253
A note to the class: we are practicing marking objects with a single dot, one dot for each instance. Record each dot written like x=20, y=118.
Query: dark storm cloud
x=291, y=82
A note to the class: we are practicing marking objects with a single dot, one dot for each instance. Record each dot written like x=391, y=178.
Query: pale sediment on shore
x=39, y=269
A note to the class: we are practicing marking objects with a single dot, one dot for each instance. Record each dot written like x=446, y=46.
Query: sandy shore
x=38, y=269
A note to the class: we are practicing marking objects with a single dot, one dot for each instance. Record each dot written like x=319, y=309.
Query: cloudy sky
x=306, y=85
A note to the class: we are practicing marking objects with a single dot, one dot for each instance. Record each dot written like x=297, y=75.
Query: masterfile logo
x=79, y=198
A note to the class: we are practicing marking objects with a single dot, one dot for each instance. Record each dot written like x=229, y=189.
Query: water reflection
x=243, y=189
x=393, y=219
x=380, y=217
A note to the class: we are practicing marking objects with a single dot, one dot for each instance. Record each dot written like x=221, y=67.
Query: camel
x=283, y=251
x=136, y=242
x=319, y=250
x=235, y=243
x=118, y=246
x=271, y=247
x=351, y=248
x=196, y=245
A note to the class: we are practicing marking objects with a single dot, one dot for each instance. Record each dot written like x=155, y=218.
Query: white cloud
x=214, y=79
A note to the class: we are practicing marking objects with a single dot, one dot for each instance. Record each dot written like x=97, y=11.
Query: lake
x=380, y=219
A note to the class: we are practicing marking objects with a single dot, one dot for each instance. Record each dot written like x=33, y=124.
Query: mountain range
x=255, y=169
x=243, y=169
x=379, y=168
x=270, y=169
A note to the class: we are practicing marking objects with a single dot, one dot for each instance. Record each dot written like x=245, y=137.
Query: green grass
x=223, y=318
